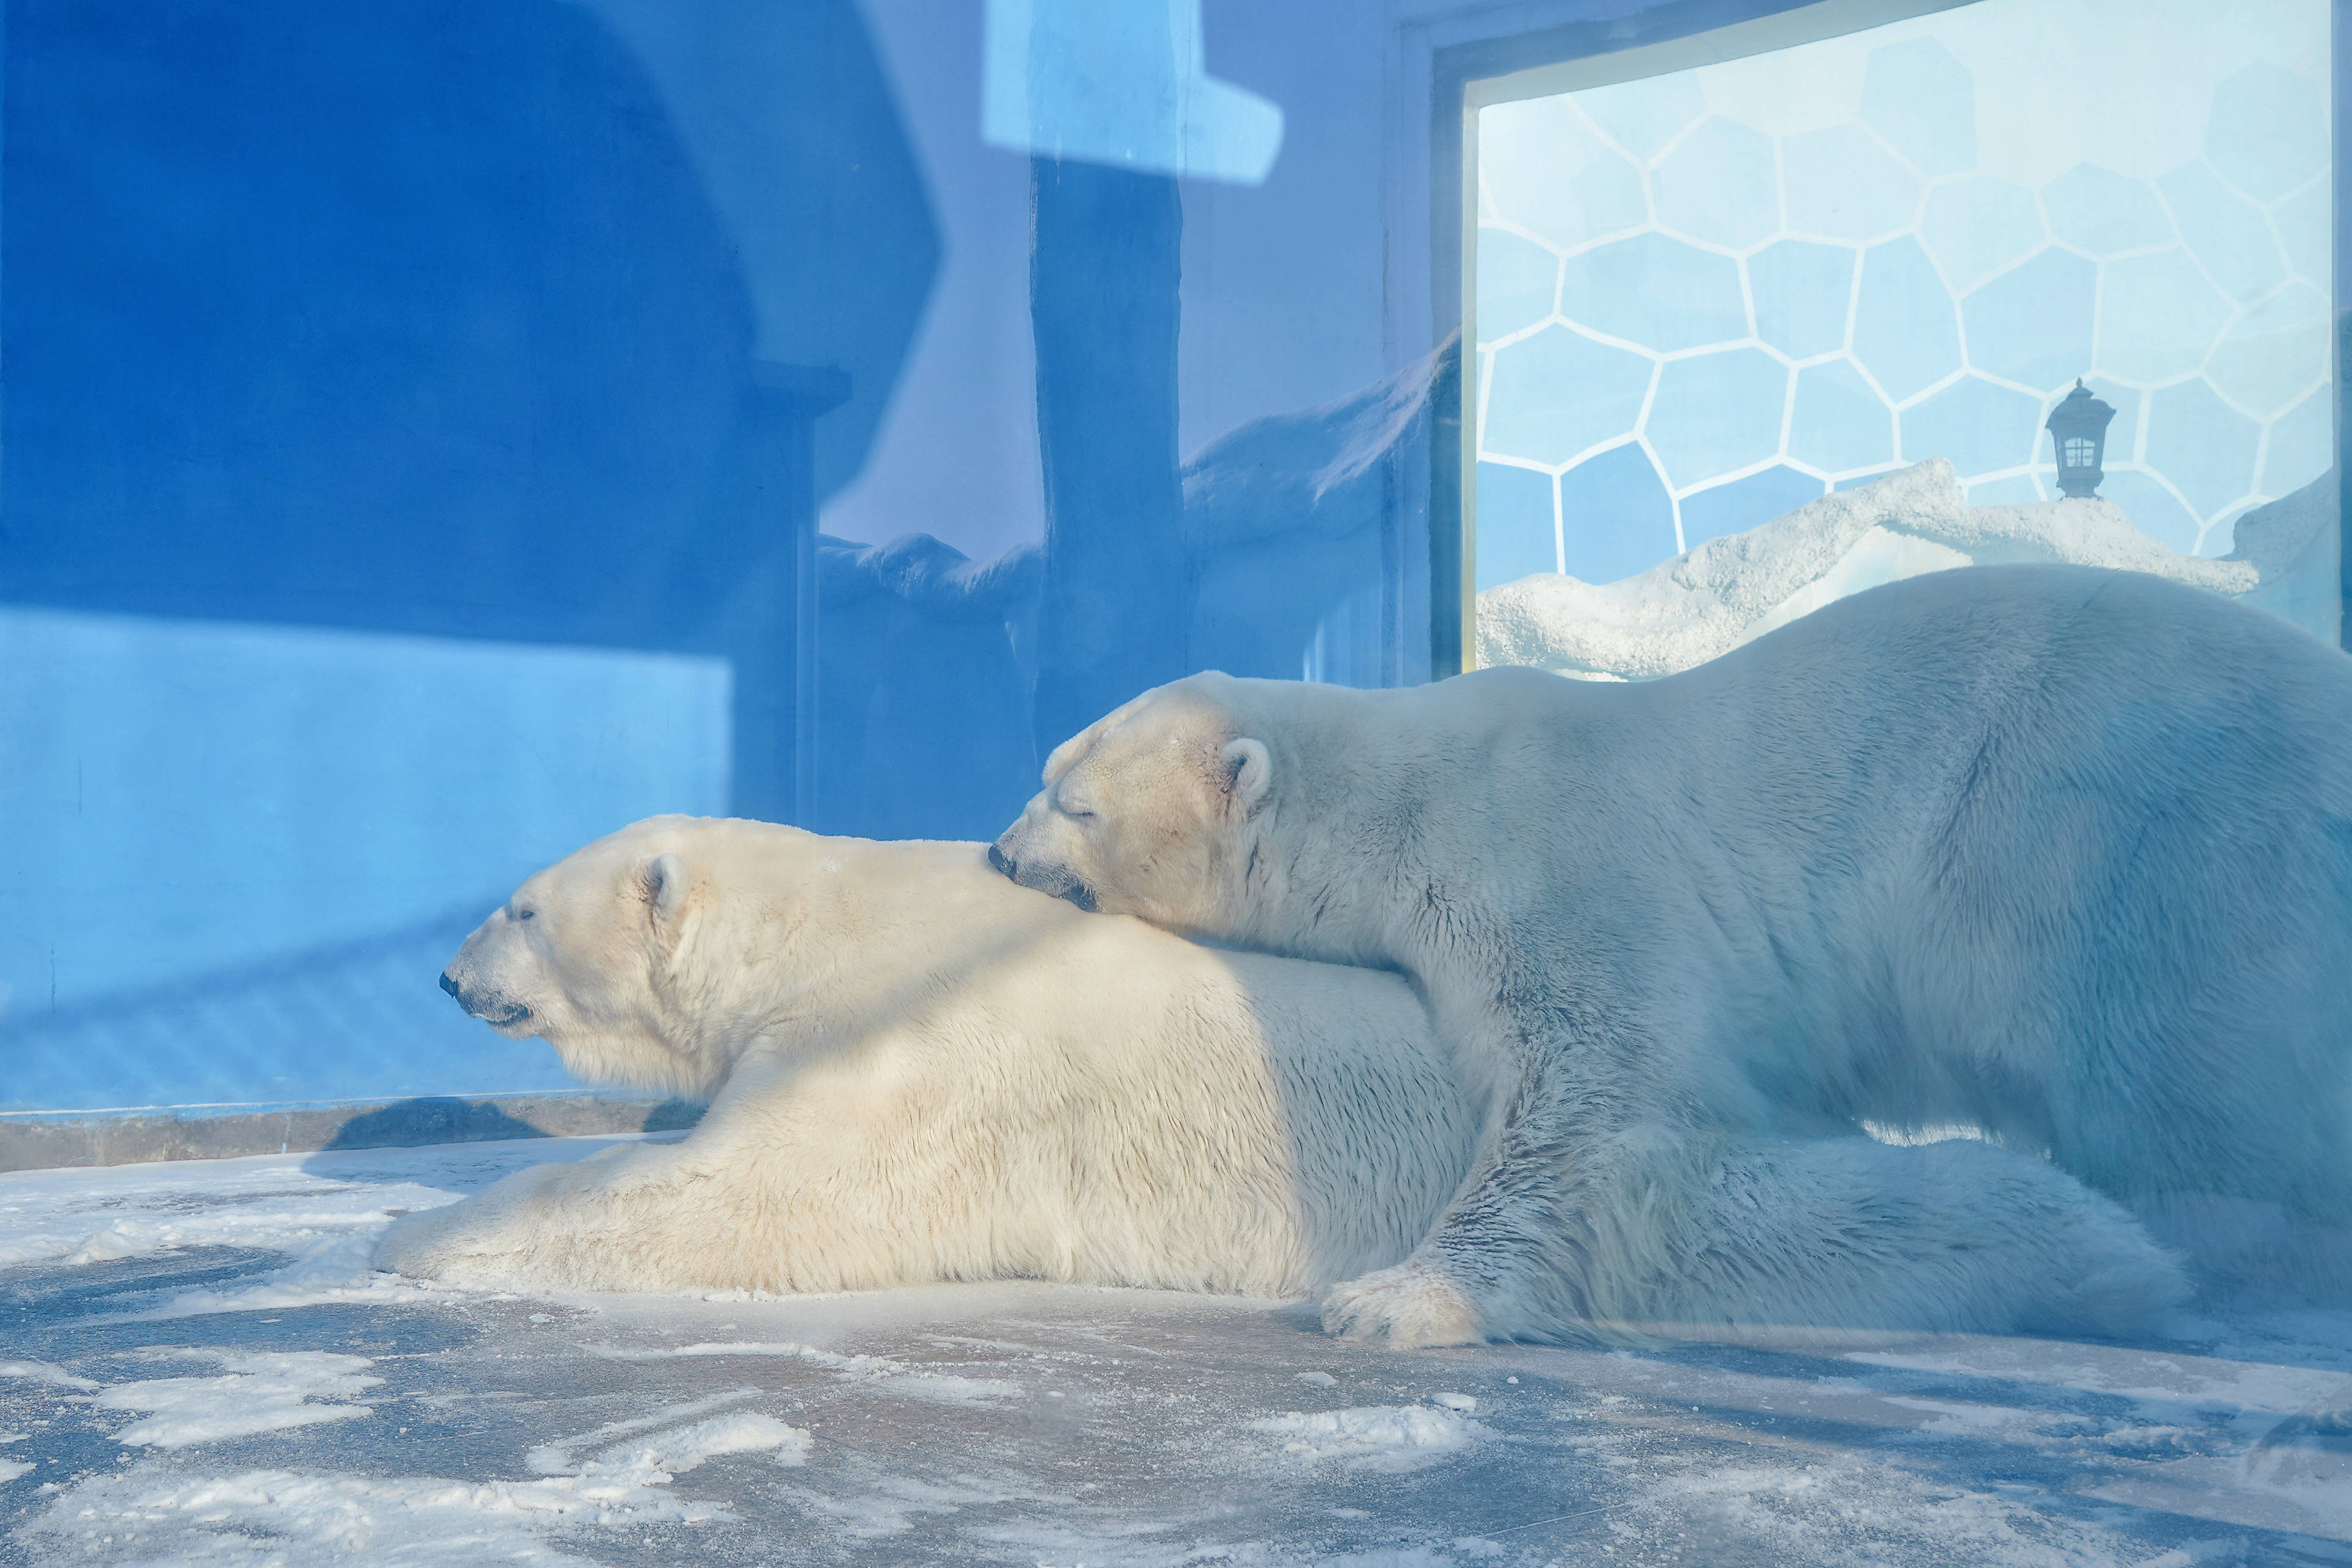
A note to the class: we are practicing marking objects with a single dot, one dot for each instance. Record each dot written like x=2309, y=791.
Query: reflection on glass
x=1703, y=301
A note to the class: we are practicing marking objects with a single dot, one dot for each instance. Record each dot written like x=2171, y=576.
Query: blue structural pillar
x=1103, y=272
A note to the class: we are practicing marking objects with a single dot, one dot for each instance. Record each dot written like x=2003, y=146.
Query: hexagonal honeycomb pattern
x=1703, y=297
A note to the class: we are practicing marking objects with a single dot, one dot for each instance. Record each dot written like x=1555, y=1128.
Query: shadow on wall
x=443, y=1119
x=412, y=318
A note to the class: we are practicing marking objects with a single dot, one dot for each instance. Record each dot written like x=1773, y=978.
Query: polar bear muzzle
x=1059, y=880
x=495, y=1011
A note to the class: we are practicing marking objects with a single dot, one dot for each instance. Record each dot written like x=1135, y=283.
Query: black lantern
x=2079, y=426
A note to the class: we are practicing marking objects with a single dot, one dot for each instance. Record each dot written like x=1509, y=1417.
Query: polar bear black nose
x=996, y=857
x=449, y=985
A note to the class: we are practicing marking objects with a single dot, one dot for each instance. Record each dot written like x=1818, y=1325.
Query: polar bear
x=918, y=1071
x=921, y=1071
x=2060, y=855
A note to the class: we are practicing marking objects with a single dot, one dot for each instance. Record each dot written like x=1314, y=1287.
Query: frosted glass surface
x=1908, y=243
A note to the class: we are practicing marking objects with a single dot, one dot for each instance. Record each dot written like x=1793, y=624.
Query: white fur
x=923, y=1072
x=2062, y=854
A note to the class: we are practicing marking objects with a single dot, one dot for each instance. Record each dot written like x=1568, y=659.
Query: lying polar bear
x=923, y=1072
x=918, y=1071
x=2060, y=854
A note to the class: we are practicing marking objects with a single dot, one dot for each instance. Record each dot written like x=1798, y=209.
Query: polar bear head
x=609, y=954
x=1172, y=808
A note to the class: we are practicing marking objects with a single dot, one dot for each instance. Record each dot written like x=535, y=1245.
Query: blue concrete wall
x=389, y=507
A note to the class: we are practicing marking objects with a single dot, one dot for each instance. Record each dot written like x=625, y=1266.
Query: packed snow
x=1725, y=591
x=236, y=1385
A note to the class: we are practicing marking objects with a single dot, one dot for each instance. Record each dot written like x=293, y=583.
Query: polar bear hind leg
x=1717, y=1236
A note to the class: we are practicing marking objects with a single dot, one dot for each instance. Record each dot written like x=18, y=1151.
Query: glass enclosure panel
x=1706, y=299
x=437, y=436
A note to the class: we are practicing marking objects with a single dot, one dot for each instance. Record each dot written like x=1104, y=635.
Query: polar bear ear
x=665, y=880
x=1249, y=768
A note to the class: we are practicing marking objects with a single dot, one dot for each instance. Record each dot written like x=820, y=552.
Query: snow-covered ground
x=196, y=1366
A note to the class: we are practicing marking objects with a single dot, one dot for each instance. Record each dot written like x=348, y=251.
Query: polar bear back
x=983, y=1080
x=2060, y=853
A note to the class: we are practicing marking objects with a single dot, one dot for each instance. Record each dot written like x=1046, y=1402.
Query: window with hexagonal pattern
x=1706, y=298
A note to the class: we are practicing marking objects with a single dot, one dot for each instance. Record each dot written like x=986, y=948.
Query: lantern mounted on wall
x=2079, y=426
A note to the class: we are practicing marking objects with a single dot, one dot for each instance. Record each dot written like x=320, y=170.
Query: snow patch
x=11, y=1469
x=1374, y=1436
x=257, y=1392
x=337, y=1269
x=657, y=1459
x=161, y=1514
x=1711, y=599
x=42, y=1371
x=897, y=1377
x=158, y=1514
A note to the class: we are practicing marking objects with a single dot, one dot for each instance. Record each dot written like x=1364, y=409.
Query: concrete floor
x=196, y=1366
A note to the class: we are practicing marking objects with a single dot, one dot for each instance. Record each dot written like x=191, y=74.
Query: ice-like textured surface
x=2153, y=506
x=2268, y=131
x=2306, y=221
x=2158, y=317
x=1656, y=291
x=2032, y=324
x=1842, y=184
x=1718, y=412
x=1725, y=509
x=2101, y=213
x=1517, y=282
x=1717, y=185
x=1557, y=392
x=2302, y=444
x=1974, y=227
x=2179, y=148
x=1801, y=291
x=1616, y=516
x=1517, y=503
x=1923, y=102
x=1543, y=168
x=2226, y=234
x=2208, y=447
x=1020, y=1424
x=1839, y=423
x=1979, y=427
x=1906, y=332
x=2275, y=353
x=1643, y=117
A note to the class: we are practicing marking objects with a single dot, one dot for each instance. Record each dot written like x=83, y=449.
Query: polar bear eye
x=526, y=913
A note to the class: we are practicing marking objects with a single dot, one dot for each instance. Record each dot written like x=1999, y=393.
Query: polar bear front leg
x=1414, y=1305
x=612, y=1221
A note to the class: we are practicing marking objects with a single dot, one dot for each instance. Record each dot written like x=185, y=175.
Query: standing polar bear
x=2062, y=854
x=924, y=1073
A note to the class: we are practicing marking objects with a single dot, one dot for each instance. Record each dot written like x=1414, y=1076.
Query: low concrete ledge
x=36, y=1140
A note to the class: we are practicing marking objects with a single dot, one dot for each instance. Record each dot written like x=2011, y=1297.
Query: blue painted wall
x=390, y=505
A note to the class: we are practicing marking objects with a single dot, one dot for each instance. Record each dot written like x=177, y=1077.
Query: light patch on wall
x=1123, y=82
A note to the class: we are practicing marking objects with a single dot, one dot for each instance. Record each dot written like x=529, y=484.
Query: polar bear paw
x=1412, y=1305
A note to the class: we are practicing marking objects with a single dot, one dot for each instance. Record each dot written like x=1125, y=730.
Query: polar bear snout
x=1059, y=880
x=495, y=1010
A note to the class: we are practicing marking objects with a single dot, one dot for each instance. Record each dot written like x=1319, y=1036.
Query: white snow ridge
x=1374, y=1436
x=1716, y=595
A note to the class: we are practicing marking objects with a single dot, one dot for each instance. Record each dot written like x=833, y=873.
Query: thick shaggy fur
x=2063, y=854
x=923, y=1072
